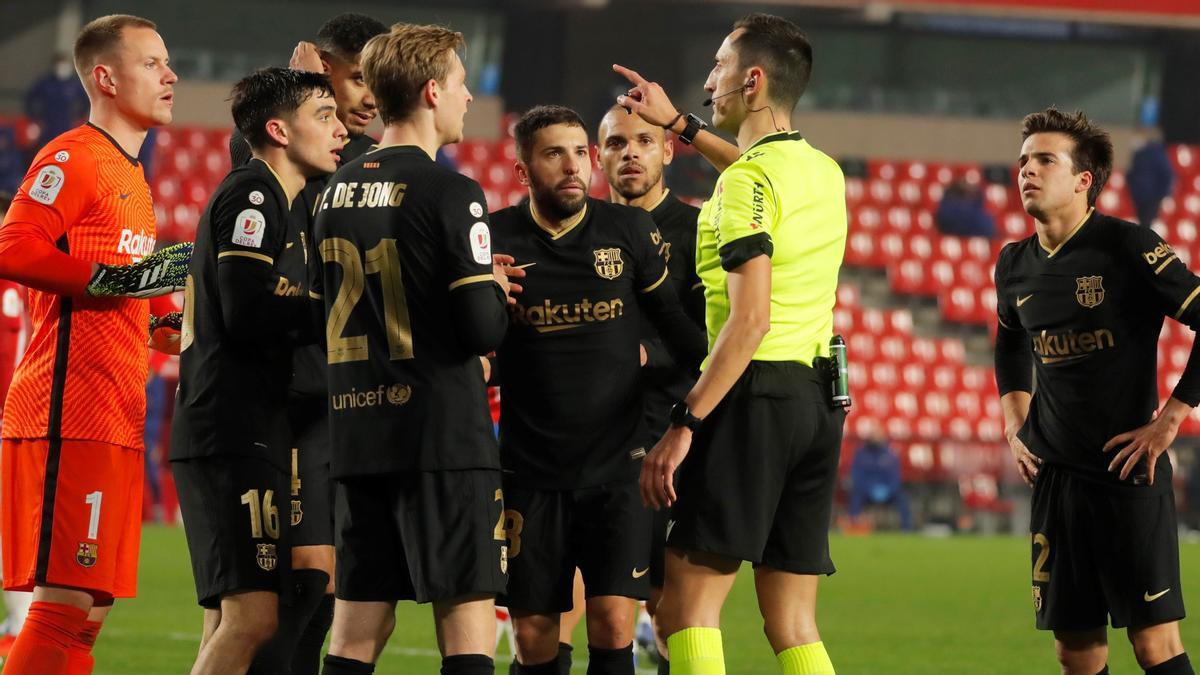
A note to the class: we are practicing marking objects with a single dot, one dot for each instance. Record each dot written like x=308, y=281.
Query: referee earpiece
x=751, y=82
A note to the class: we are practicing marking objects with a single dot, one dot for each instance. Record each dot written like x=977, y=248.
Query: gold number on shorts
x=187, y=332
x=257, y=522
x=509, y=527
x=295, y=472
x=93, y=500
x=1039, y=573
x=498, y=532
x=383, y=259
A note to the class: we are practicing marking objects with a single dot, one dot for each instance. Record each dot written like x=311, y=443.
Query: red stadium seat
x=913, y=376
x=875, y=403
x=930, y=428
x=848, y=295
x=861, y=250
x=884, y=375
x=894, y=348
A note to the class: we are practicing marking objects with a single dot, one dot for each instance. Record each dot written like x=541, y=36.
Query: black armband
x=736, y=253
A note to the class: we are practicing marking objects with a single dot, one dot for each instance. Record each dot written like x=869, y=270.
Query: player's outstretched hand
x=306, y=56
x=1027, y=462
x=159, y=273
x=657, y=482
x=646, y=98
x=504, y=272
x=1148, y=441
x=165, y=332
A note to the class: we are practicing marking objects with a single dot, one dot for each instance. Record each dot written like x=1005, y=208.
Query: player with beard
x=305, y=620
x=572, y=431
x=633, y=153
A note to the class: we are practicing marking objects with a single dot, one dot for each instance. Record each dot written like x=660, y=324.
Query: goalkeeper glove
x=165, y=333
x=159, y=273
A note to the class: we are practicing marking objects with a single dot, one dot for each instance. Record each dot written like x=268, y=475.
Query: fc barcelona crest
x=266, y=558
x=297, y=512
x=87, y=553
x=608, y=263
x=1089, y=291
x=1037, y=599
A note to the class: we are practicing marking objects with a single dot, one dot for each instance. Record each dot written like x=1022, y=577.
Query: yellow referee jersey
x=787, y=199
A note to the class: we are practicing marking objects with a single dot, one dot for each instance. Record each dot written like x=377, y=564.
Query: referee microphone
x=709, y=101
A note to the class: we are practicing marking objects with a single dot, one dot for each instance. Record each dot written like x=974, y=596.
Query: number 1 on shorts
x=93, y=499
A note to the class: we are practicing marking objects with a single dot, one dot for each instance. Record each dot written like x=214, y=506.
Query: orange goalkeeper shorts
x=70, y=515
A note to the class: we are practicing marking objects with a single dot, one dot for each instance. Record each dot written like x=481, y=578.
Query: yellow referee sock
x=696, y=651
x=809, y=659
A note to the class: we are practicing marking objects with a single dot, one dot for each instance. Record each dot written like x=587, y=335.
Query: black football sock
x=610, y=661
x=337, y=665
x=1104, y=670
x=548, y=668
x=275, y=657
x=307, y=659
x=1179, y=665
x=564, y=658
x=468, y=664
x=664, y=666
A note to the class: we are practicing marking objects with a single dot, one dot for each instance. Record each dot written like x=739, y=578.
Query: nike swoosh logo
x=290, y=244
x=1021, y=301
x=521, y=267
x=1151, y=598
x=639, y=575
x=125, y=195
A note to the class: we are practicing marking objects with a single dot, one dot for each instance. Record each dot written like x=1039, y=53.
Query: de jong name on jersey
x=410, y=304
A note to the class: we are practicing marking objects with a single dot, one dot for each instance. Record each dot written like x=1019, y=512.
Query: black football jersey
x=396, y=233
x=233, y=388
x=308, y=361
x=1092, y=311
x=670, y=382
x=571, y=411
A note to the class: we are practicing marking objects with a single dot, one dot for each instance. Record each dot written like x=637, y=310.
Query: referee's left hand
x=1148, y=441
x=657, y=482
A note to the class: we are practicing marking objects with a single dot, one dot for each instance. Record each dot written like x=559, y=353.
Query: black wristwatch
x=682, y=417
x=694, y=125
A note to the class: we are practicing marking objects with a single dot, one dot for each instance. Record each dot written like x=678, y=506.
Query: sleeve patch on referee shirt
x=481, y=243
x=249, y=227
x=46, y=186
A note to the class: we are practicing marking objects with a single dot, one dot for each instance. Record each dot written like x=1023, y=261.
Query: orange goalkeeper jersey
x=83, y=375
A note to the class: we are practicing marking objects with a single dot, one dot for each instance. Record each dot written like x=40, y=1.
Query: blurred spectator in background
x=56, y=101
x=12, y=163
x=875, y=478
x=962, y=213
x=1151, y=177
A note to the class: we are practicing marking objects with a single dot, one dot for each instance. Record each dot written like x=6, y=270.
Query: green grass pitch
x=897, y=605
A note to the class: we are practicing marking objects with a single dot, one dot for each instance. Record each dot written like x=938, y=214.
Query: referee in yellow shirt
x=759, y=432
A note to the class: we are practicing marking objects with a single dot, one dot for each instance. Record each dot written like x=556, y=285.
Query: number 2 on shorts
x=1039, y=572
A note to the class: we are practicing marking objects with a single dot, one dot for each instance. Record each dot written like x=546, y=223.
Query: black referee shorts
x=758, y=483
x=1102, y=551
